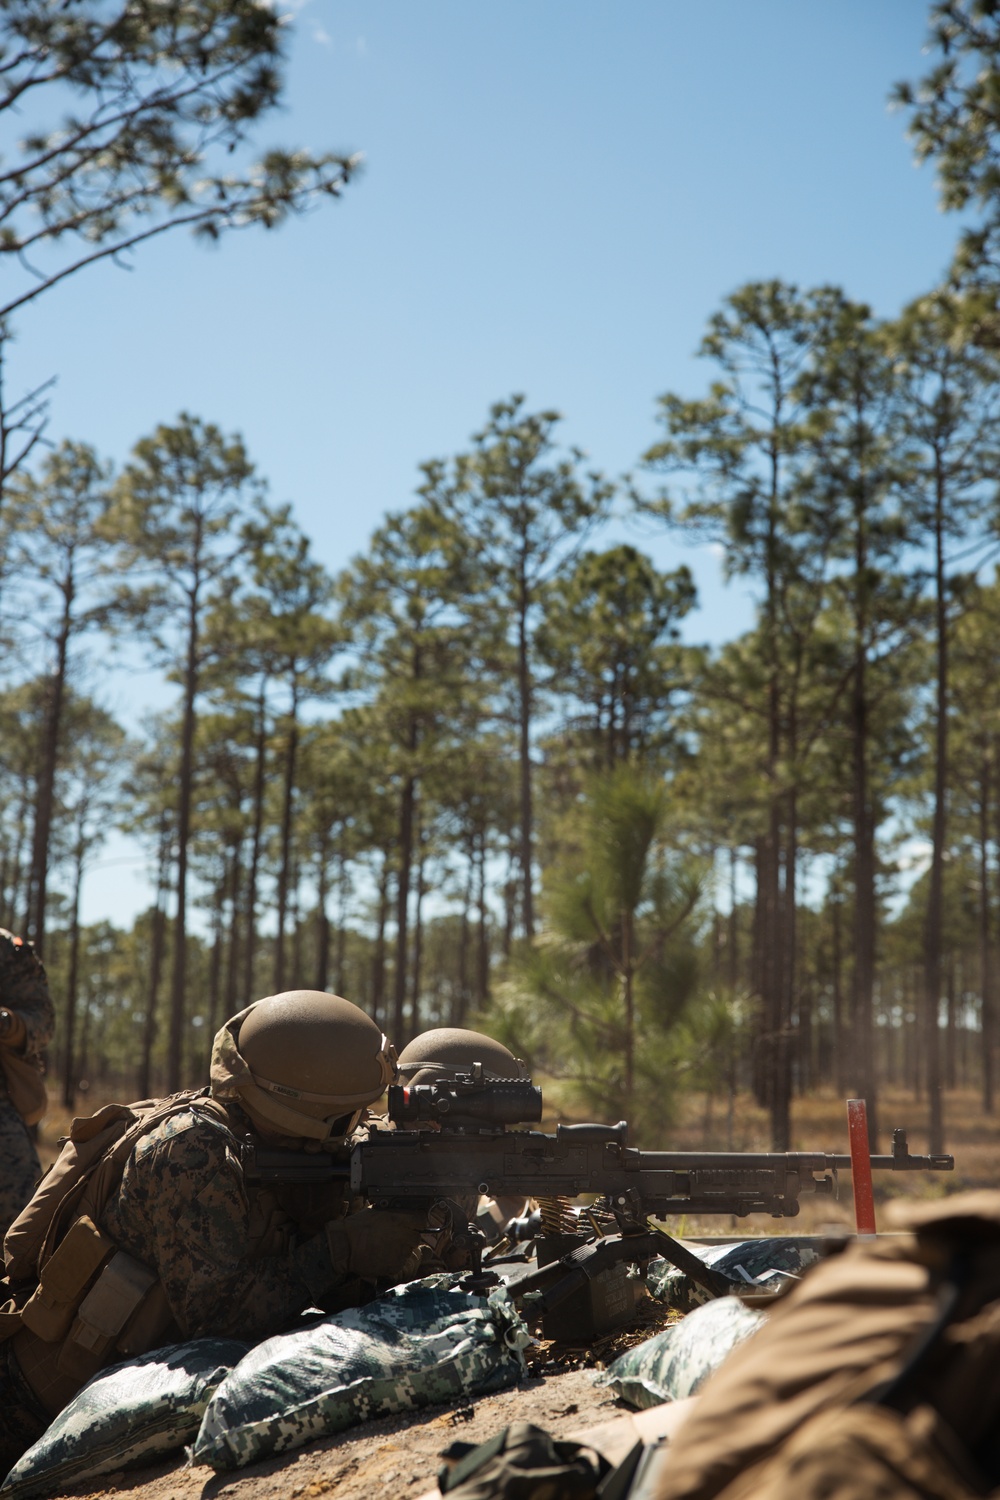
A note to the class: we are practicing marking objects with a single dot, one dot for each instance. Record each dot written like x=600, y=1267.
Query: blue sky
x=555, y=197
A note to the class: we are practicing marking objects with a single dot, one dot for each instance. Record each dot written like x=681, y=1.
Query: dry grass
x=819, y=1123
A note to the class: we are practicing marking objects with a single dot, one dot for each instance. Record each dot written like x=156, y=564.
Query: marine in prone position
x=145, y=1233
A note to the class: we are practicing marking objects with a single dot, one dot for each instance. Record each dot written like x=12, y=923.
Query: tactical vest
x=78, y=1300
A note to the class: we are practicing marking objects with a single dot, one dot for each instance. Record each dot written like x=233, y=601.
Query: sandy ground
x=395, y=1455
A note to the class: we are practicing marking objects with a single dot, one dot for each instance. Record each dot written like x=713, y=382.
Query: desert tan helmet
x=439, y=1055
x=303, y=1063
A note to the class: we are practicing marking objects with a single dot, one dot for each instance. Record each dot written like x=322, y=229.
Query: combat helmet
x=442, y=1054
x=302, y=1063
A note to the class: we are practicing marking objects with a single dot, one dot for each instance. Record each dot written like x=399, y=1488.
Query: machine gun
x=452, y=1140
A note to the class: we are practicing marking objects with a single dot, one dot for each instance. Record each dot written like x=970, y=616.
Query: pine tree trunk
x=985, y=950
x=935, y=898
x=774, y=1039
x=177, y=991
x=460, y=1001
x=418, y=941
x=73, y=981
x=774, y=1042
x=733, y=926
x=295, y=915
x=378, y=957
x=524, y=696
x=951, y=1028
x=215, y=957
x=340, y=952
x=232, y=984
x=839, y=1059
x=628, y=995
x=284, y=870
x=759, y=938
x=258, y=828
x=406, y=810
x=157, y=947
x=483, y=936
x=322, y=920
x=862, y=1068
x=45, y=796
x=789, y=946
x=19, y=873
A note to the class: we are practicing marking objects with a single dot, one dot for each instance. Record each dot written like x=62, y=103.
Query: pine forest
x=483, y=773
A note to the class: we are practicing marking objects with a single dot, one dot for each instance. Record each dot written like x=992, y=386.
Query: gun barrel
x=911, y=1163
x=783, y=1161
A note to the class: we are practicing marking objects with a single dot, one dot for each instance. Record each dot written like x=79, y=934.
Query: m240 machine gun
x=453, y=1139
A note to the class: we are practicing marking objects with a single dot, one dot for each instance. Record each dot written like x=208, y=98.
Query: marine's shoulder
x=20, y=962
x=15, y=951
x=196, y=1131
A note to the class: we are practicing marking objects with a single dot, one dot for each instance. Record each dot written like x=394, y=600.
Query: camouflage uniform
x=24, y=991
x=231, y=1264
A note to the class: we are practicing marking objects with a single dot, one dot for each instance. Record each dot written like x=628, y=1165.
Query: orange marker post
x=861, y=1166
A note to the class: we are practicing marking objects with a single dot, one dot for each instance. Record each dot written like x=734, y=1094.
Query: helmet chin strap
x=271, y=1118
x=301, y=1127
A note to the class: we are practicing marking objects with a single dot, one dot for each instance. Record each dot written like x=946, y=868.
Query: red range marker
x=861, y=1166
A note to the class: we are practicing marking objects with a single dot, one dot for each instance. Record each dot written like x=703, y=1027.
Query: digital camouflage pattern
x=765, y=1262
x=677, y=1362
x=127, y=1416
x=231, y=1265
x=419, y=1344
x=24, y=990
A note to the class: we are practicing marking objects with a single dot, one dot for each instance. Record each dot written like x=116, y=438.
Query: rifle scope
x=465, y=1102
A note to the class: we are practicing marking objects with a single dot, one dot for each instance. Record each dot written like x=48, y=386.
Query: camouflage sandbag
x=675, y=1363
x=765, y=1262
x=424, y=1342
x=128, y=1415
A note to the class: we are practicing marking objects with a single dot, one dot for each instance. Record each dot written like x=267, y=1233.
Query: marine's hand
x=452, y=1237
x=377, y=1246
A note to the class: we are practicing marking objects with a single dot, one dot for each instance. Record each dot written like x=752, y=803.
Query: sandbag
x=126, y=1416
x=676, y=1363
x=423, y=1342
x=764, y=1263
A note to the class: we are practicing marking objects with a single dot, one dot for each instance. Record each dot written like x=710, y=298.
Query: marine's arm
x=183, y=1210
x=24, y=998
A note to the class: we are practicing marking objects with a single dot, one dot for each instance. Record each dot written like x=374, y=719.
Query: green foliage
x=598, y=999
x=954, y=121
x=609, y=638
x=157, y=95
